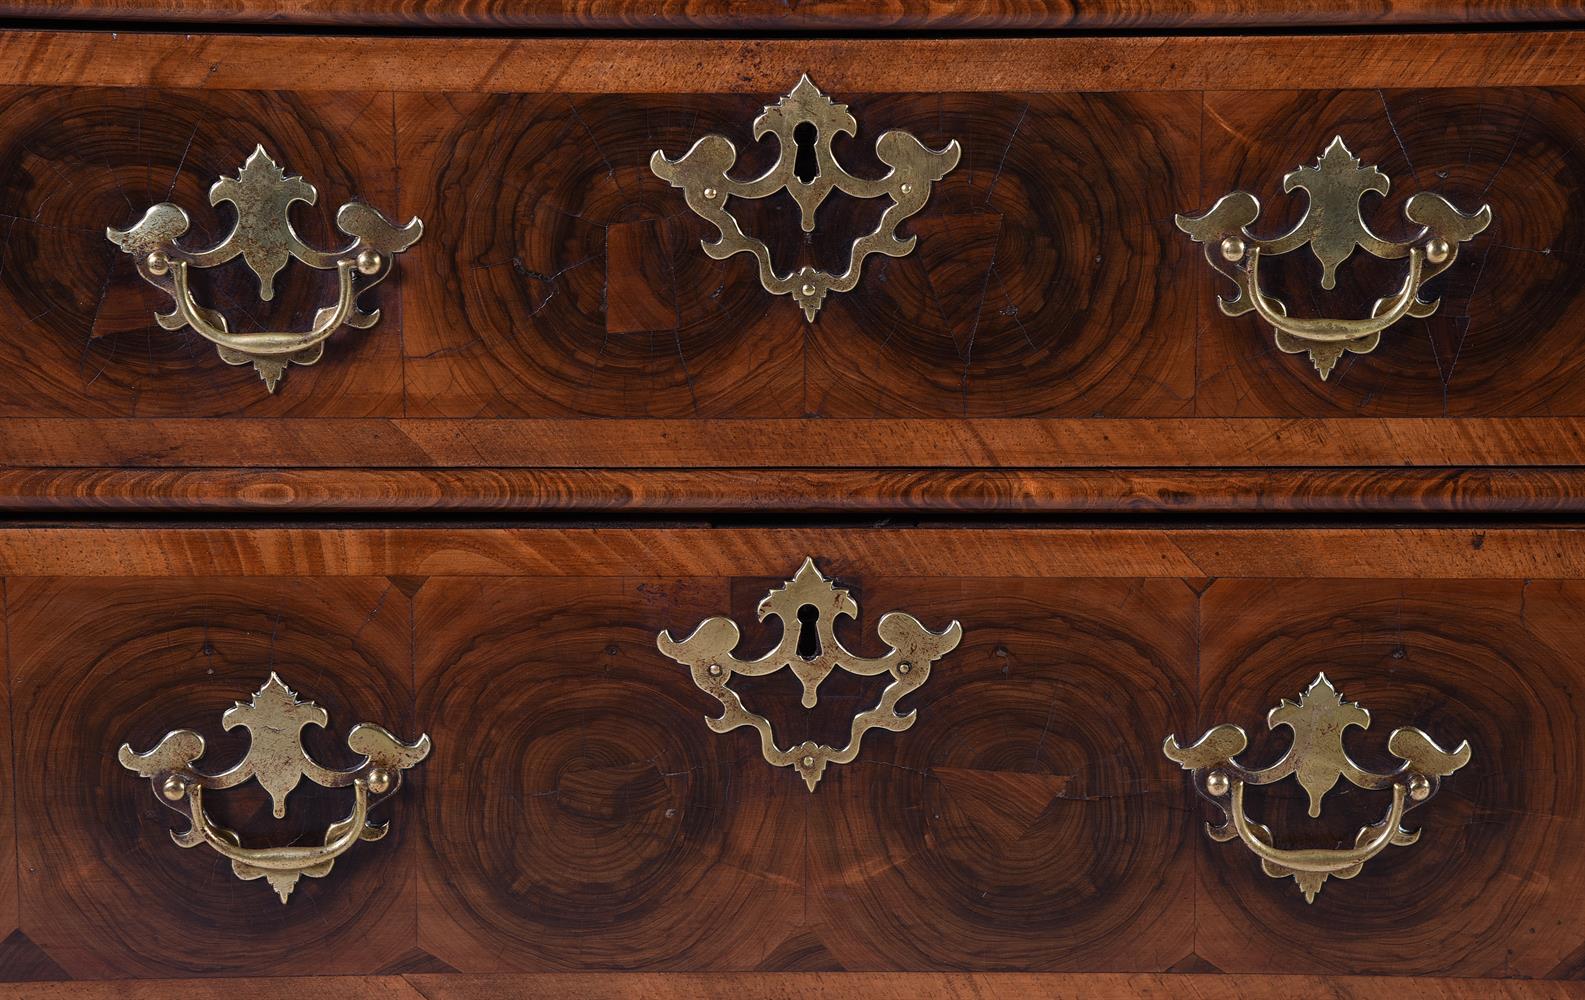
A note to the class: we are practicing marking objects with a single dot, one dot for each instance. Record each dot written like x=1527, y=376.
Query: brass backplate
x=708, y=655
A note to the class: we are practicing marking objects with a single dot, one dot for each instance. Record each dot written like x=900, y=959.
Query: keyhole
x=808, y=634
x=806, y=167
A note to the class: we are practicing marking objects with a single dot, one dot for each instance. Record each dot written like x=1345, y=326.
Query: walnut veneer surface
x=571, y=430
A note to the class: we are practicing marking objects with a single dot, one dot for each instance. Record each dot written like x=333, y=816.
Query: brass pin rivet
x=808, y=289
x=1233, y=248
x=158, y=263
x=809, y=761
x=1217, y=784
x=904, y=667
x=715, y=670
x=174, y=788
x=1419, y=788
x=379, y=781
x=369, y=262
x=710, y=193
x=907, y=189
x=1437, y=250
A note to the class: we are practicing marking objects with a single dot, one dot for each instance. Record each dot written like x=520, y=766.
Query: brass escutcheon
x=707, y=653
x=1332, y=227
x=274, y=719
x=1317, y=759
x=262, y=193
x=701, y=173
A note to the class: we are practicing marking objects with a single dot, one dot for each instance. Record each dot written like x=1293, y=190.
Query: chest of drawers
x=540, y=476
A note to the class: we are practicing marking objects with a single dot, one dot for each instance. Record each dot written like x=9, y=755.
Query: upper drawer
x=559, y=309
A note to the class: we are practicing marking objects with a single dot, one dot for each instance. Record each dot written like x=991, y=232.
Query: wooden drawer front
x=559, y=311
x=578, y=815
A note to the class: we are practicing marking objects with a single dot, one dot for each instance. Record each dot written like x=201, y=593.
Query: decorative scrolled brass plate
x=262, y=236
x=274, y=719
x=701, y=173
x=708, y=655
x=1317, y=759
x=1332, y=227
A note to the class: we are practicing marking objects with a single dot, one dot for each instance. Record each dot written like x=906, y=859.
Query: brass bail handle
x=1370, y=842
x=338, y=840
x=1318, y=760
x=275, y=718
x=262, y=235
x=1337, y=331
x=1333, y=227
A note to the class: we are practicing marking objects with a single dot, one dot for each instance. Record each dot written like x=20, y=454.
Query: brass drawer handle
x=701, y=173
x=1332, y=227
x=1317, y=759
x=263, y=237
x=274, y=719
x=708, y=655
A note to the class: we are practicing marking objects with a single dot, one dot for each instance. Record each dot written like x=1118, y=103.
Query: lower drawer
x=577, y=814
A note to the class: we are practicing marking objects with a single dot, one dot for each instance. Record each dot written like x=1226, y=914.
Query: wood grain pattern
x=81, y=339
x=515, y=311
x=574, y=65
x=617, y=551
x=98, y=662
x=678, y=491
x=1048, y=279
x=1486, y=890
x=349, y=987
x=773, y=15
x=1018, y=825
x=587, y=818
x=1027, y=295
x=9, y=916
x=833, y=985
x=643, y=443
x=1055, y=986
x=507, y=313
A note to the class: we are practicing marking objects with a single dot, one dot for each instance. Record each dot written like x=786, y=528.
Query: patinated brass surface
x=708, y=655
x=262, y=236
x=1317, y=760
x=274, y=719
x=701, y=173
x=1332, y=227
